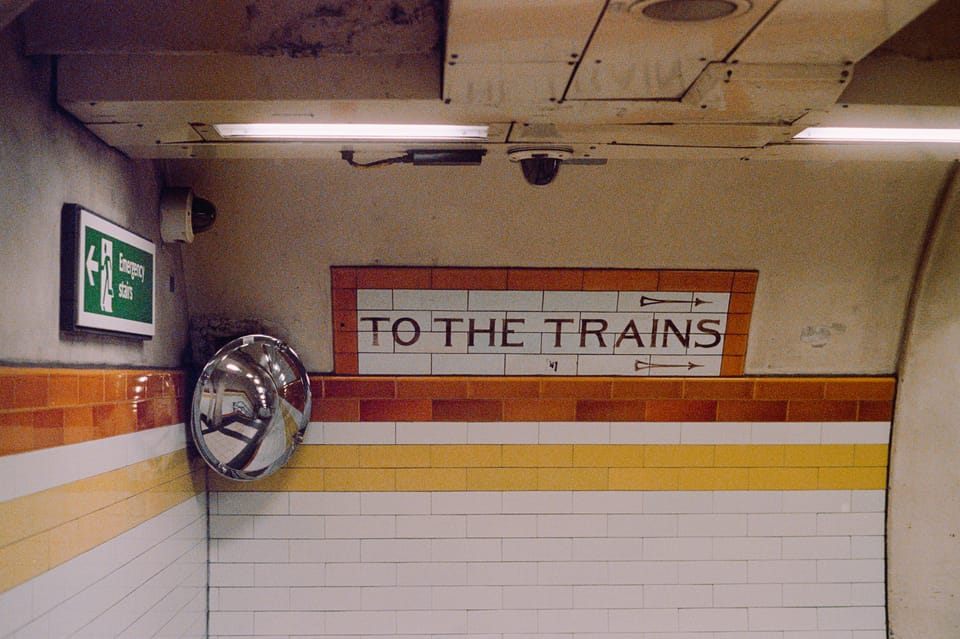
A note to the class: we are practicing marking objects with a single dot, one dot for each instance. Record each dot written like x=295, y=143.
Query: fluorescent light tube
x=332, y=131
x=870, y=134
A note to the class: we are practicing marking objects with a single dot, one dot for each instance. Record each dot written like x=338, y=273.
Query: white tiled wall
x=771, y=564
x=147, y=582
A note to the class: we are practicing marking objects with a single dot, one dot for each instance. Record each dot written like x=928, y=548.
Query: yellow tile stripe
x=43, y=530
x=576, y=467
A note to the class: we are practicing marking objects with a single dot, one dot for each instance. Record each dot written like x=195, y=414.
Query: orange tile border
x=464, y=398
x=45, y=407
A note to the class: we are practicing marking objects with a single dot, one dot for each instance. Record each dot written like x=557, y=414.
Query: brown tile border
x=346, y=280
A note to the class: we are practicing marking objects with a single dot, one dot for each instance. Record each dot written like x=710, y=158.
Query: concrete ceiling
x=604, y=77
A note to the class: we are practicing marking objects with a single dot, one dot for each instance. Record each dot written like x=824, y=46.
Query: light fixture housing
x=328, y=131
x=879, y=134
x=688, y=10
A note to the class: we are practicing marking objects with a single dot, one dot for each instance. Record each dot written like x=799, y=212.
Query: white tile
x=289, y=574
x=360, y=574
x=608, y=549
x=644, y=572
x=716, y=433
x=467, y=549
x=867, y=547
x=522, y=549
x=851, y=524
x=595, y=301
x=254, y=598
x=431, y=621
x=252, y=503
x=753, y=501
x=378, y=299
x=785, y=433
x=781, y=524
x=580, y=620
x=782, y=572
x=678, y=502
x=471, y=364
x=574, y=433
x=868, y=594
x=686, y=548
x=314, y=433
x=231, y=575
x=717, y=525
x=869, y=501
x=643, y=525
x=321, y=550
x=393, y=363
x=553, y=364
x=467, y=503
x=679, y=596
x=853, y=618
x=360, y=526
x=816, y=548
x=645, y=432
x=712, y=572
x=254, y=550
x=435, y=573
x=608, y=501
x=817, y=501
x=466, y=598
x=537, y=597
x=713, y=619
x=663, y=620
x=431, y=526
x=850, y=570
x=783, y=618
x=573, y=572
x=16, y=606
x=571, y=525
x=503, y=433
x=320, y=503
x=608, y=596
x=868, y=634
x=815, y=595
x=404, y=503
x=397, y=598
x=747, y=596
x=856, y=433
x=430, y=299
x=351, y=622
x=502, y=621
x=539, y=502
x=514, y=573
x=289, y=526
x=432, y=433
x=323, y=599
x=231, y=623
x=359, y=433
x=506, y=301
x=391, y=550
x=231, y=526
x=501, y=526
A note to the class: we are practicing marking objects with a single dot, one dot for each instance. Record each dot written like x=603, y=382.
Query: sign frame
x=77, y=267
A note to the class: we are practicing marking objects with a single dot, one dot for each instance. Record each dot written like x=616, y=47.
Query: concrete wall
x=48, y=160
x=835, y=243
x=924, y=499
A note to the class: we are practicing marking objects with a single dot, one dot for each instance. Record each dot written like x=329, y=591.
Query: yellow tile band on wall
x=43, y=530
x=576, y=467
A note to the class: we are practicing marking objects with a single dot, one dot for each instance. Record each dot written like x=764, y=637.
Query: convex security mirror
x=251, y=406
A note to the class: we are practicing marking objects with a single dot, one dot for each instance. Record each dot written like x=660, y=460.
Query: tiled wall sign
x=541, y=322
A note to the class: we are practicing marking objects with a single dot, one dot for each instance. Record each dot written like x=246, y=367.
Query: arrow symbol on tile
x=640, y=366
x=650, y=301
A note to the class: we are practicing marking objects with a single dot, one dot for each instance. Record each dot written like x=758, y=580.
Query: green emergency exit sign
x=107, y=282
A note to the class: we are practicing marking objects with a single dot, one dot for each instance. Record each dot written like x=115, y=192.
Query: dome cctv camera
x=540, y=165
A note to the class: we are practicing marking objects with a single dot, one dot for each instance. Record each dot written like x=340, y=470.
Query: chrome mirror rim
x=262, y=431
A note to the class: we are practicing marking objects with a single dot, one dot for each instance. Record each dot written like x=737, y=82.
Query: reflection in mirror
x=251, y=406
